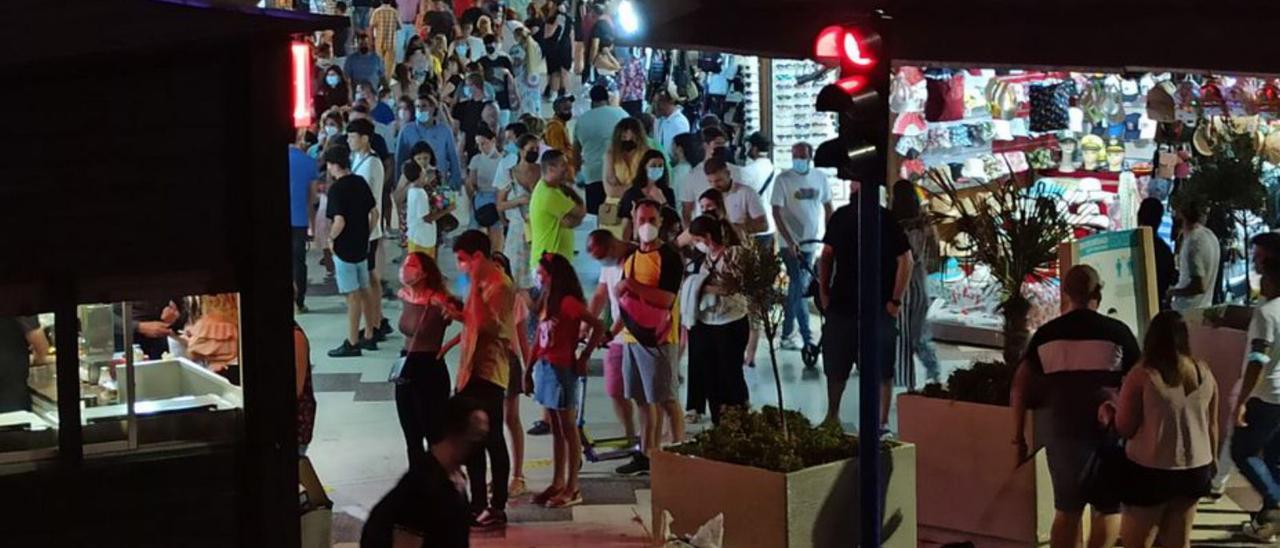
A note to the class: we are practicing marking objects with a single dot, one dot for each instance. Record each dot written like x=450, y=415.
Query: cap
x=599, y=93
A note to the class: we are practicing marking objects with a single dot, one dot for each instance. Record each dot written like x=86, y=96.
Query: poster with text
x=1126, y=266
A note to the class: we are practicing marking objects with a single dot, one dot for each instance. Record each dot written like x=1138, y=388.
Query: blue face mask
x=466, y=92
x=511, y=149
x=332, y=80
x=800, y=165
x=423, y=116
x=654, y=173
x=462, y=50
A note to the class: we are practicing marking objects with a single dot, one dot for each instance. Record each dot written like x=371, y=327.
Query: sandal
x=565, y=500
x=541, y=499
x=517, y=487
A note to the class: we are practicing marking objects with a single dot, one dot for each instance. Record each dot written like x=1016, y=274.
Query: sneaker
x=345, y=350
x=692, y=417
x=1261, y=532
x=639, y=466
x=385, y=328
x=490, y=519
x=368, y=344
x=539, y=428
x=792, y=343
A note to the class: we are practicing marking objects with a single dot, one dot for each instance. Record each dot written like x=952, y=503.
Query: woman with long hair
x=333, y=90
x=1168, y=410
x=554, y=377
x=513, y=203
x=905, y=207
x=621, y=164
x=531, y=71
x=515, y=388
x=721, y=328
x=651, y=182
x=422, y=388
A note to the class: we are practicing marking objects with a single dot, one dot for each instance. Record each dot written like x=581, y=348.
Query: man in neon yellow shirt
x=554, y=210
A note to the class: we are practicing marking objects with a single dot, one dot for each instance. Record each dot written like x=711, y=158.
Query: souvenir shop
x=1099, y=143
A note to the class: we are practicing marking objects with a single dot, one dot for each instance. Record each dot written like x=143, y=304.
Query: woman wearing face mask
x=712, y=204
x=720, y=328
x=513, y=202
x=404, y=114
x=622, y=163
x=333, y=90
x=422, y=388
x=651, y=182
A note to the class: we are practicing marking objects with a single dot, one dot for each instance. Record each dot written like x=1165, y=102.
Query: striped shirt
x=1082, y=356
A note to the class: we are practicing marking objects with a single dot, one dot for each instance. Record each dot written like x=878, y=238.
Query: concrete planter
x=970, y=485
x=814, y=507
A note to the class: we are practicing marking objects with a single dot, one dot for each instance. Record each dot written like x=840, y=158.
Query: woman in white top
x=1168, y=410
x=513, y=202
x=718, y=339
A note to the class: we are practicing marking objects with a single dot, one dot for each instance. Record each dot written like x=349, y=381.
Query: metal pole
x=871, y=316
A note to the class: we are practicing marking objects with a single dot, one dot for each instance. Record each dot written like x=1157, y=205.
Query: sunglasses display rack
x=750, y=66
x=793, y=118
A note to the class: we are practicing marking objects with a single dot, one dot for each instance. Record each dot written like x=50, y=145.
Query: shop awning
x=1224, y=36
x=37, y=31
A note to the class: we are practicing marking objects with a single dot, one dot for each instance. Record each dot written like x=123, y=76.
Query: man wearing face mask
x=650, y=355
x=498, y=73
x=469, y=48
x=716, y=145
x=427, y=128
x=554, y=210
x=365, y=163
x=801, y=205
x=556, y=134
x=364, y=65
x=470, y=111
x=611, y=251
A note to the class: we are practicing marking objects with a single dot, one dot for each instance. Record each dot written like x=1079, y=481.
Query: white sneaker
x=792, y=343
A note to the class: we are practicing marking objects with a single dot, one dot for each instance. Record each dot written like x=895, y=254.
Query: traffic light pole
x=872, y=313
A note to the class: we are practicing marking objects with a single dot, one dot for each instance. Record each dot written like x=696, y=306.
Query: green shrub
x=986, y=382
x=753, y=438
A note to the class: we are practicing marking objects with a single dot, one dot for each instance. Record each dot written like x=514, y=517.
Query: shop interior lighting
x=628, y=17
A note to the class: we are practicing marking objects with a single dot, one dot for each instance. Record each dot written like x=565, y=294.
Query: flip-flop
x=560, y=501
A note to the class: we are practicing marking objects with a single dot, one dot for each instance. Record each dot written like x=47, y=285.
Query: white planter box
x=815, y=507
x=969, y=480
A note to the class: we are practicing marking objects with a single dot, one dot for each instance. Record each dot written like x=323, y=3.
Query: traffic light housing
x=859, y=97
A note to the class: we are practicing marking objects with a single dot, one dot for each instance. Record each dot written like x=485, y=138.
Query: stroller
x=812, y=352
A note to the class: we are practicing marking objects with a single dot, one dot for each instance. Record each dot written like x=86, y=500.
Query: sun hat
x=1160, y=102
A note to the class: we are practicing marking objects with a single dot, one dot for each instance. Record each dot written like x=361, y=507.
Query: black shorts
x=1153, y=486
x=840, y=346
x=373, y=254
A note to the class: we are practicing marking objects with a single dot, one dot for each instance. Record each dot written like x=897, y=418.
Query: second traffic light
x=859, y=97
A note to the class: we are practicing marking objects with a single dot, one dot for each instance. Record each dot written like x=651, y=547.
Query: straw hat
x=1204, y=138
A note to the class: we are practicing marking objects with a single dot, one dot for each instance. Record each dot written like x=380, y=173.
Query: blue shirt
x=302, y=170
x=363, y=67
x=442, y=143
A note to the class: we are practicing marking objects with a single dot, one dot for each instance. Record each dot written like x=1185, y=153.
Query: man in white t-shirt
x=1197, y=260
x=671, y=121
x=801, y=203
x=1257, y=417
x=695, y=183
x=743, y=207
x=758, y=174
x=367, y=164
x=610, y=251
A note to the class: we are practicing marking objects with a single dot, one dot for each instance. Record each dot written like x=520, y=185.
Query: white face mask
x=330, y=131
x=702, y=248
x=647, y=233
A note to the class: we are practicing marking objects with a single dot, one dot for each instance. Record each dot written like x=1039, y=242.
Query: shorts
x=555, y=387
x=1067, y=461
x=515, y=376
x=373, y=255
x=648, y=374
x=613, y=370
x=1153, y=487
x=840, y=346
x=351, y=277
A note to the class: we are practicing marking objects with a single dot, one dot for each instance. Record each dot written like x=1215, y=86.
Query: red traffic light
x=838, y=46
x=852, y=83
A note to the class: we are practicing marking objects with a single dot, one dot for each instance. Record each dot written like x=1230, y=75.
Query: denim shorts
x=555, y=387
x=351, y=277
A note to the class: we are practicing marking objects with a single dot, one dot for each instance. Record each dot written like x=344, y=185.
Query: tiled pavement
x=359, y=451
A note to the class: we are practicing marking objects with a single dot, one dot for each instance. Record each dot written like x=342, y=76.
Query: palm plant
x=1014, y=227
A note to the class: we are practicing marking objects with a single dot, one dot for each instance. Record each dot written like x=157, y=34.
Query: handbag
x=593, y=196
x=608, y=214
x=486, y=209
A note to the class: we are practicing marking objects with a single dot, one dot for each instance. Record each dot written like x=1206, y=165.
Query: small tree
x=1014, y=228
x=758, y=275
